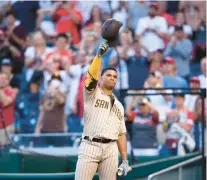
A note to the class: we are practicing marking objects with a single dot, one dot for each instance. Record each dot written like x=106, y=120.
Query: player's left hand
x=103, y=48
x=125, y=166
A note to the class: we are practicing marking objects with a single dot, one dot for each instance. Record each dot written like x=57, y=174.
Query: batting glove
x=103, y=48
x=124, y=167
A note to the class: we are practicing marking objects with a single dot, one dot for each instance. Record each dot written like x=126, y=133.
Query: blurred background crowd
x=46, y=48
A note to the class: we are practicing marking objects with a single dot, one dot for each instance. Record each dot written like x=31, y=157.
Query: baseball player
x=104, y=133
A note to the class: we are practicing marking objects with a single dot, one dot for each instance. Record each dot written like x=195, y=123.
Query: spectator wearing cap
x=6, y=67
x=51, y=118
x=180, y=122
x=180, y=21
x=180, y=49
x=145, y=120
x=152, y=29
x=7, y=105
x=203, y=77
x=190, y=99
x=171, y=79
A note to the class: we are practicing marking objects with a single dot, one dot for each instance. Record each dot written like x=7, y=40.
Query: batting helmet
x=110, y=31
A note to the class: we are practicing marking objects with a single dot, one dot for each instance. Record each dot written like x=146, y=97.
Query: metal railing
x=176, y=171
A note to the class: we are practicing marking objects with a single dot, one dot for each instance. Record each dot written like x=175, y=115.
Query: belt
x=99, y=140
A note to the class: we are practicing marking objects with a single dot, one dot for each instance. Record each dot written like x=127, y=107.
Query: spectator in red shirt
x=68, y=19
x=7, y=105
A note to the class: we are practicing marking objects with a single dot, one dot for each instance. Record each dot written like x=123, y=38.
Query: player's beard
x=110, y=87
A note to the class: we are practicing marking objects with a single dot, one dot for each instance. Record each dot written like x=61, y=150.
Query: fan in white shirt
x=152, y=29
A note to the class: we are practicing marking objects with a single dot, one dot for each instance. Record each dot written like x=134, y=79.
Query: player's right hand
x=103, y=48
x=125, y=168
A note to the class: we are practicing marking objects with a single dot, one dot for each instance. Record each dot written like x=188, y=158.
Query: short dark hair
x=106, y=69
x=62, y=35
x=10, y=13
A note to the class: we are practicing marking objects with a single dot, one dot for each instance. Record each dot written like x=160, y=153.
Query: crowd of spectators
x=46, y=48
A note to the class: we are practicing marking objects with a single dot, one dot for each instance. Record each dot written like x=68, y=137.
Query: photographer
x=7, y=105
x=51, y=117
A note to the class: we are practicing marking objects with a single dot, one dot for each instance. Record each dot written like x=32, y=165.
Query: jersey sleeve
x=92, y=76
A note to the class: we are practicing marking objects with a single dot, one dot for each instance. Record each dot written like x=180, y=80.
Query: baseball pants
x=93, y=156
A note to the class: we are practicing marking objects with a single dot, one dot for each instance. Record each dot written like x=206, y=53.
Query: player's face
x=109, y=79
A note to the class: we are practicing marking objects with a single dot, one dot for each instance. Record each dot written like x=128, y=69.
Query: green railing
x=26, y=163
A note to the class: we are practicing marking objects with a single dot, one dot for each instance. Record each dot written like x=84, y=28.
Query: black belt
x=99, y=140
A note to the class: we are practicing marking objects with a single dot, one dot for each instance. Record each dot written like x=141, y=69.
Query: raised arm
x=95, y=68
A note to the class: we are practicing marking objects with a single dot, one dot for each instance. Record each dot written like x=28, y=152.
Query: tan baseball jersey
x=104, y=118
x=100, y=118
